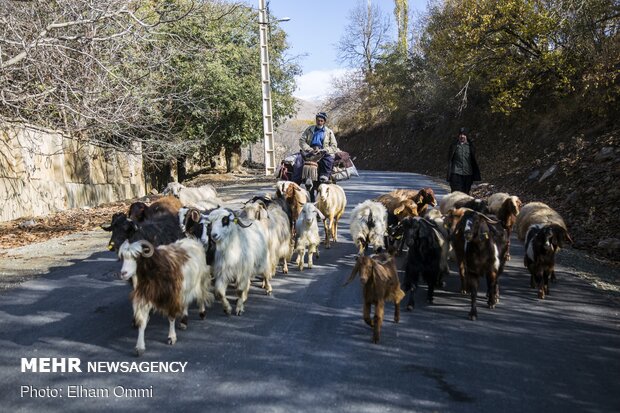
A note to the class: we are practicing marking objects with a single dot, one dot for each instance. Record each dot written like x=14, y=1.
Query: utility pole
x=270, y=154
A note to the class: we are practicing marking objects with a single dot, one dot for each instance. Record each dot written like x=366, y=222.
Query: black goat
x=485, y=250
x=542, y=242
x=160, y=230
x=423, y=257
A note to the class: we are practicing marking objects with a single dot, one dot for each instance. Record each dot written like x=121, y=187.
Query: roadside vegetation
x=535, y=83
x=170, y=78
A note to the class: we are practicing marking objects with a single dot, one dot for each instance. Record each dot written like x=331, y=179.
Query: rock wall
x=43, y=171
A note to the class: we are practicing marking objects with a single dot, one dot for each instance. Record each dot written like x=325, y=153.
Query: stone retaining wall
x=43, y=171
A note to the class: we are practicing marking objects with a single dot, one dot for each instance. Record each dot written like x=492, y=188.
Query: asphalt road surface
x=306, y=348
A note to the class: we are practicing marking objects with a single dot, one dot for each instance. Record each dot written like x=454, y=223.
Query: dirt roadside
x=30, y=247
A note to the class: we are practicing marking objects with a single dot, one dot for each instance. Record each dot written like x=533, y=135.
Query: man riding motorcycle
x=317, y=144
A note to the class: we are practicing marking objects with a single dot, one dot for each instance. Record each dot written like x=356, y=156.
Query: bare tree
x=85, y=67
x=365, y=34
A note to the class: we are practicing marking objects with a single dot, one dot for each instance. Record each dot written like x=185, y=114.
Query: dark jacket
x=474, y=164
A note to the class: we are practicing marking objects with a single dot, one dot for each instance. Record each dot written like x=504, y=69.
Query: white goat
x=449, y=200
x=495, y=201
x=202, y=197
x=170, y=277
x=331, y=202
x=307, y=234
x=240, y=252
x=277, y=231
x=369, y=225
x=537, y=213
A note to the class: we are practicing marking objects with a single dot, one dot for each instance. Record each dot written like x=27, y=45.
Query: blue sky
x=315, y=28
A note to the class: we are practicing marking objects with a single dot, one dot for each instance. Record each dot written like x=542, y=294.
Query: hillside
x=287, y=135
x=574, y=171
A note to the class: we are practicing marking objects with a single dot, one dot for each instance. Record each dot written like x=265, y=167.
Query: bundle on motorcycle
x=307, y=161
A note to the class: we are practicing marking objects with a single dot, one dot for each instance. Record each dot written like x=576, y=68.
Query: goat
x=137, y=211
x=194, y=225
x=279, y=201
x=160, y=230
x=484, y=250
x=423, y=198
x=164, y=205
x=170, y=278
x=379, y=277
x=369, y=226
x=478, y=205
x=542, y=242
x=240, y=252
x=424, y=257
x=203, y=197
x=400, y=207
x=536, y=213
x=307, y=234
x=496, y=200
x=278, y=234
x=332, y=202
x=448, y=200
x=294, y=196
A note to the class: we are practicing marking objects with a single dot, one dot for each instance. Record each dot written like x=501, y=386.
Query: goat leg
x=397, y=299
x=185, y=319
x=243, y=288
x=141, y=316
x=172, y=334
x=541, y=285
x=220, y=292
x=366, y=312
x=379, y=309
x=431, y=291
x=472, y=284
x=491, y=289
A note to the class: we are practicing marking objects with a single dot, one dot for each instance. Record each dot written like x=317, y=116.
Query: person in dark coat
x=463, y=168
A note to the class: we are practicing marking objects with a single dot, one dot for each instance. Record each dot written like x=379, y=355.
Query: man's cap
x=322, y=115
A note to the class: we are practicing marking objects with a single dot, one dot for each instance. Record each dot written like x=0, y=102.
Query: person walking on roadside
x=463, y=168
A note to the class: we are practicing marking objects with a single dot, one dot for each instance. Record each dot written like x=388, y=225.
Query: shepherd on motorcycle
x=317, y=144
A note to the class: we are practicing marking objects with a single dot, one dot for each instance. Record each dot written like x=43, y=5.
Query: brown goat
x=380, y=282
x=422, y=198
x=164, y=205
x=296, y=198
x=400, y=206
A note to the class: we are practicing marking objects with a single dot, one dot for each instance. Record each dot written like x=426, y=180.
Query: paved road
x=306, y=348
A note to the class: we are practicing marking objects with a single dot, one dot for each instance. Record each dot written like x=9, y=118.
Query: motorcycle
x=308, y=163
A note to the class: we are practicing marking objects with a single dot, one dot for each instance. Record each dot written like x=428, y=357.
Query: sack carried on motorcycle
x=343, y=168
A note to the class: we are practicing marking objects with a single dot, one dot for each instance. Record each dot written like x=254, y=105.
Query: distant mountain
x=306, y=109
x=287, y=135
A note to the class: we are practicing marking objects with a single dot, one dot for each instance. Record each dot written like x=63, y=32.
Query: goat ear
x=194, y=215
x=399, y=209
x=320, y=214
x=106, y=227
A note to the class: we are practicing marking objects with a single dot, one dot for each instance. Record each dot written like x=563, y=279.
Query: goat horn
x=147, y=249
x=238, y=221
x=489, y=219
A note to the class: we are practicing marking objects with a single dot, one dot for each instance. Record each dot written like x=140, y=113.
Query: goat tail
x=356, y=269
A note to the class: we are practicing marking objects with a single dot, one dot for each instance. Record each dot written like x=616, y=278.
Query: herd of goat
x=185, y=247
